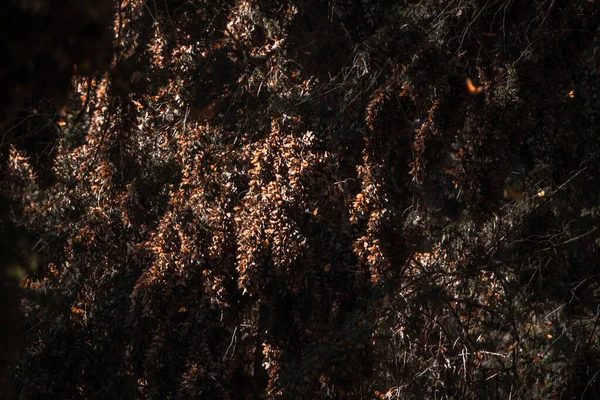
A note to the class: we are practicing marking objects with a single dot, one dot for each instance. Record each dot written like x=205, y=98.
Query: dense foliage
x=303, y=199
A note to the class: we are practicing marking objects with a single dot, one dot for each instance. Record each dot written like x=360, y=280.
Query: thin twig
x=588, y=384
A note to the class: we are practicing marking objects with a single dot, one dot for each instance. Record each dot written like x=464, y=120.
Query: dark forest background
x=303, y=199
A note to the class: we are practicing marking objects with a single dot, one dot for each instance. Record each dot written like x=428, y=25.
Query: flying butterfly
x=472, y=88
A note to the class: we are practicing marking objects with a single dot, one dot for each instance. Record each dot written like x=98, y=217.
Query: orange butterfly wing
x=472, y=88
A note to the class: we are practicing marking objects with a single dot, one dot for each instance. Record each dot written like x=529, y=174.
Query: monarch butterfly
x=512, y=193
x=472, y=88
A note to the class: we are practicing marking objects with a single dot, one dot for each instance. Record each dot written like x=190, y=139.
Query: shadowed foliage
x=296, y=200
